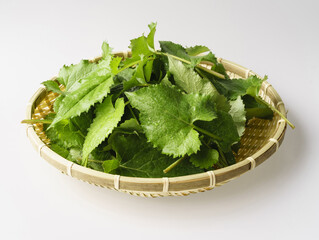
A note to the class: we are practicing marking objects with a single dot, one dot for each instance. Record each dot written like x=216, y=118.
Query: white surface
x=278, y=200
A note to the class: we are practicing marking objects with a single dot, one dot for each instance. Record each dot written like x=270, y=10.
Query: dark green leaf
x=205, y=158
x=224, y=127
x=256, y=109
x=140, y=159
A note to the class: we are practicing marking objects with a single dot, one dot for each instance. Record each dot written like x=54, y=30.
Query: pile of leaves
x=157, y=113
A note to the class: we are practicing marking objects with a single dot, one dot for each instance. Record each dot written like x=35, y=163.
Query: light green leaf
x=174, y=49
x=115, y=64
x=167, y=117
x=65, y=135
x=84, y=97
x=188, y=80
x=70, y=132
x=107, y=118
x=53, y=86
x=74, y=73
x=148, y=67
x=238, y=113
x=205, y=158
x=110, y=165
x=138, y=79
x=150, y=37
x=144, y=45
x=198, y=49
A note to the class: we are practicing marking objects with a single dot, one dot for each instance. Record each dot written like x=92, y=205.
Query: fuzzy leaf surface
x=167, y=117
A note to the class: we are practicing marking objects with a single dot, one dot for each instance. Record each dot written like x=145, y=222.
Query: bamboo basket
x=261, y=139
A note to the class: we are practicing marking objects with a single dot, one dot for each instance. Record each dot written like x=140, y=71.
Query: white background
x=278, y=200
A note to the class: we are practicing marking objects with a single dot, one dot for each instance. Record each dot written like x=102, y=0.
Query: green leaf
x=232, y=88
x=138, y=79
x=106, y=51
x=63, y=152
x=53, y=86
x=114, y=64
x=256, y=109
x=174, y=49
x=167, y=117
x=107, y=118
x=224, y=127
x=70, y=132
x=144, y=45
x=150, y=37
x=198, y=49
x=205, y=158
x=130, y=126
x=181, y=52
x=140, y=159
x=124, y=76
x=148, y=67
x=72, y=77
x=110, y=165
x=65, y=134
x=188, y=80
x=69, y=75
x=83, y=98
x=58, y=102
x=238, y=113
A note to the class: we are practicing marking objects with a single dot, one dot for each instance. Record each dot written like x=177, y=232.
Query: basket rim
x=182, y=185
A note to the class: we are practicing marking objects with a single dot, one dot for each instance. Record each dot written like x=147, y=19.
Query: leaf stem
x=174, y=164
x=36, y=121
x=188, y=62
x=134, y=169
x=206, y=132
x=259, y=99
x=132, y=112
x=127, y=66
x=224, y=161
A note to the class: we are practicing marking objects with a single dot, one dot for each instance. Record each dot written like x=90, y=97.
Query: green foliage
x=107, y=118
x=110, y=165
x=223, y=126
x=152, y=111
x=139, y=159
x=205, y=158
x=53, y=86
x=198, y=49
x=238, y=113
x=167, y=117
x=188, y=80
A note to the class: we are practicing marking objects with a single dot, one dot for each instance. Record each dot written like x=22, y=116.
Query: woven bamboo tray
x=261, y=139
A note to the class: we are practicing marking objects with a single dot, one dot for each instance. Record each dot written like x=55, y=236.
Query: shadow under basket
x=261, y=139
